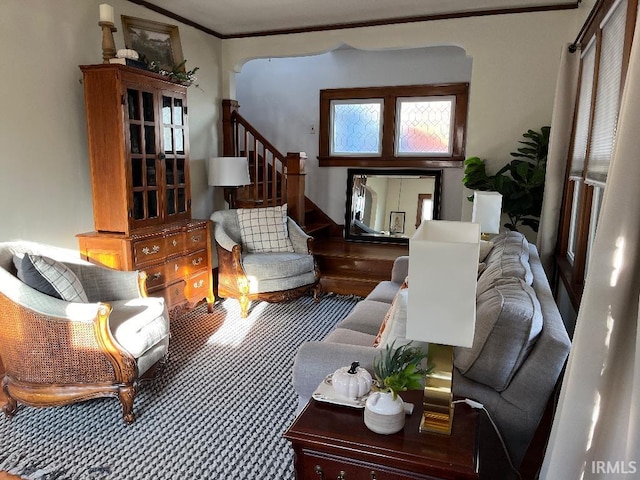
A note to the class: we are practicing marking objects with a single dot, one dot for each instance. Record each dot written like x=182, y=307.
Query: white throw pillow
x=264, y=229
x=396, y=327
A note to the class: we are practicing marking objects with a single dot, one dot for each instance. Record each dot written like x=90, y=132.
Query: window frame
x=572, y=271
x=390, y=95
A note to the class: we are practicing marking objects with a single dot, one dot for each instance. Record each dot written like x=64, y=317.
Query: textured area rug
x=217, y=411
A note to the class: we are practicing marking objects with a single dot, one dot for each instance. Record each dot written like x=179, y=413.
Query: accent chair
x=263, y=255
x=75, y=331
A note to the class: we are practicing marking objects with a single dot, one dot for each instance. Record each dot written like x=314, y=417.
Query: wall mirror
x=388, y=205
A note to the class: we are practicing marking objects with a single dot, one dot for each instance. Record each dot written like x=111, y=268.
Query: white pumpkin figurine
x=351, y=382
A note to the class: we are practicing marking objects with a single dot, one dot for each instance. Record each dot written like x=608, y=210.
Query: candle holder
x=108, y=44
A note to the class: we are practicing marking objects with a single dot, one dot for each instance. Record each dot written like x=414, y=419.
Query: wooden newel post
x=295, y=185
x=228, y=137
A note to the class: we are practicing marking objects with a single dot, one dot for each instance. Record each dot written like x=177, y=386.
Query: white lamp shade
x=228, y=171
x=443, y=271
x=487, y=208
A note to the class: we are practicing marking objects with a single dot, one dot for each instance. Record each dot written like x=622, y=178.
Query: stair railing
x=276, y=178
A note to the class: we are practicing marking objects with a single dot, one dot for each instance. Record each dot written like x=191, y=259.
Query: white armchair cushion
x=51, y=277
x=139, y=324
x=264, y=229
x=265, y=266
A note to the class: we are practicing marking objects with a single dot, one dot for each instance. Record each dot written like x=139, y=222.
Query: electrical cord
x=479, y=406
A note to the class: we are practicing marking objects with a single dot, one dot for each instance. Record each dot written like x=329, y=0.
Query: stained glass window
x=424, y=125
x=356, y=127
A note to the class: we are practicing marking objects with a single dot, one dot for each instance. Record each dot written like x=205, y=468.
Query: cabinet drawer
x=195, y=261
x=156, y=276
x=329, y=467
x=196, y=239
x=174, y=244
x=149, y=251
x=197, y=286
x=173, y=294
x=174, y=269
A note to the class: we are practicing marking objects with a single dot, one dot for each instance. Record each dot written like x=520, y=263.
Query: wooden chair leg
x=11, y=407
x=126, y=394
x=317, y=292
x=244, y=306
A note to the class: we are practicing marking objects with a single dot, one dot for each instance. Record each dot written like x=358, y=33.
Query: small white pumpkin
x=351, y=382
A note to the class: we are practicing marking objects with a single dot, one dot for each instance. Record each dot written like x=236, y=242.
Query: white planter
x=383, y=414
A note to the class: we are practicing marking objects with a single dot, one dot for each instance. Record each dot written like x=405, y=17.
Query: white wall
x=280, y=97
x=45, y=192
x=515, y=62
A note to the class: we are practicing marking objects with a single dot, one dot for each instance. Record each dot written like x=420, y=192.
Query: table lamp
x=443, y=269
x=487, y=208
x=231, y=173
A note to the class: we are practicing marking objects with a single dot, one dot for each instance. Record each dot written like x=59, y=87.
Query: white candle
x=106, y=13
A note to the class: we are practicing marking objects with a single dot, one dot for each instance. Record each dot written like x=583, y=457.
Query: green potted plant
x=396, y=370
x=521, y=181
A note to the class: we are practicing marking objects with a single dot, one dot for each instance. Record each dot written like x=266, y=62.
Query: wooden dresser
x=176, y=259
x=138, y=135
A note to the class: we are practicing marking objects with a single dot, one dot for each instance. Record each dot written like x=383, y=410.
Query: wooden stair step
x=355, y=268
x=347, y=286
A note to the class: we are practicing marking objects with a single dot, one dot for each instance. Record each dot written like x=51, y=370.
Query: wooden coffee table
x=332, y=442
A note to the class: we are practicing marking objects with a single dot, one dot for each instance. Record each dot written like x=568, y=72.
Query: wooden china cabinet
x=137, y=125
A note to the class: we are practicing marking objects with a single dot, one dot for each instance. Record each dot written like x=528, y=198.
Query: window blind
x=581, y=136
x=607, y=94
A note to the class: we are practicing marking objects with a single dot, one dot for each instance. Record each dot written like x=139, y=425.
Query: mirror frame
x=352, y=173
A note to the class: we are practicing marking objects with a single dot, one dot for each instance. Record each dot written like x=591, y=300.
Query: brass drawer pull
x=318, y=470
x=157, y=275
x=372, y=475
x=342, y=475
x=196, y=238
x=174, y=242
x=198, y=284
x=151, y=251
x=176, y=267
x=196, y=261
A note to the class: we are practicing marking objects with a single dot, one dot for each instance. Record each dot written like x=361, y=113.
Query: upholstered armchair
x=263, y=255
x=93, y=334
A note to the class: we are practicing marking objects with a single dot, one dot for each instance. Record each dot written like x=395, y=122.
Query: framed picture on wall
x=396, y=222
x=154, y=41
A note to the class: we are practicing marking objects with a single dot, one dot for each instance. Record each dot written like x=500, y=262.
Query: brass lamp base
x=437, y=414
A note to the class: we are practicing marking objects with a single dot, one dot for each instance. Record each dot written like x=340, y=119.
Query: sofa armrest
x=400, y=269
x=315, y=360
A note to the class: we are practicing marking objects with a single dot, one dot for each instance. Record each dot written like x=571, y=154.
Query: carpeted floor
x=218, y=410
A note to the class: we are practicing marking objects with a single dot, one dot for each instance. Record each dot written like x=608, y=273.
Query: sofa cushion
x=139, y=324
x=508, y=322
x=365, y=317
x=385, y=291
x=485, y=249
x=349, y=337
x=50, y=277
x=509, y=244
x=268, y=266
x=509, y=257
x=264, y=229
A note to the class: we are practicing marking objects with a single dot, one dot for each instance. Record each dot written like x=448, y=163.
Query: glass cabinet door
x=174, y=133
x=142, y=144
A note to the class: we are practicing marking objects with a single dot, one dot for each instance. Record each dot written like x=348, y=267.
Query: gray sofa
x=520, y=344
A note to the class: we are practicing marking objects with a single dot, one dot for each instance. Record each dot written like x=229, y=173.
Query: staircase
x=346, y=267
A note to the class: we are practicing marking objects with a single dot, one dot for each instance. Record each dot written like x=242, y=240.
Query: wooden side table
x=332, y=442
